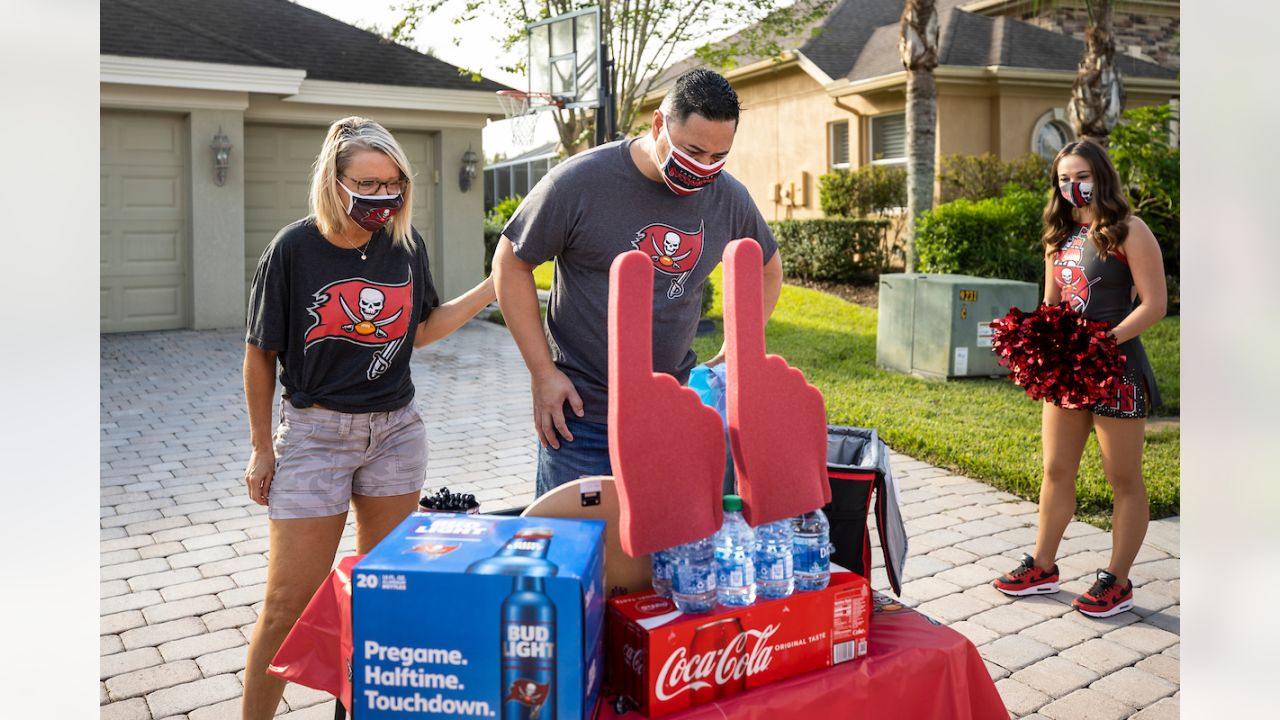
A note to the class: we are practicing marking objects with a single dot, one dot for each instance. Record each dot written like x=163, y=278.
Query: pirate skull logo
x=371, y=302
x=667, y=253
x=527, y=692
x=1075, y=286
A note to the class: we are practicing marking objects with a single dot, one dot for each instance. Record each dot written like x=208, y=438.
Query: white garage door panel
x=278, y=166
x=144, y=240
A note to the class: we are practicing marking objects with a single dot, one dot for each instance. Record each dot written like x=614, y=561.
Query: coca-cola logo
x=655, y=606
x=634, y=658
x=682, y=672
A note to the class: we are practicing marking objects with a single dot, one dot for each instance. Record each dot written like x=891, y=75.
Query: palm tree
x=1097, y=94
x=918, y=46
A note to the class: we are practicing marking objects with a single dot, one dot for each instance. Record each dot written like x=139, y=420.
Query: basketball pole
x=606, y=121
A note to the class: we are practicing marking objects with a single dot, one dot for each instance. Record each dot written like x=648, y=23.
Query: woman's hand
x=258, y=474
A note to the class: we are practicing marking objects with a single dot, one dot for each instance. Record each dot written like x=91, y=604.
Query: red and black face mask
x=1077, y=193
x=681, y=173
x=371, y=212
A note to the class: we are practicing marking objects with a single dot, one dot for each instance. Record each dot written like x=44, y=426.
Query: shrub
x=869, y=190
x=708, y=297
x=1148, y=167
x=997, y=237
x=979, y=177
x=836, y=249
x=493, y=224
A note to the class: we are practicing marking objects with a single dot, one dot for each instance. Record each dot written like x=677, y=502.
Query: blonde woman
x=338, y=303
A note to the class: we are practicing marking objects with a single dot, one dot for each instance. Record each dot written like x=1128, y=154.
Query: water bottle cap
x=732, y=503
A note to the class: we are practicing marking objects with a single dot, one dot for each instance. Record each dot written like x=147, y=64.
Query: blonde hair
x=329, y=204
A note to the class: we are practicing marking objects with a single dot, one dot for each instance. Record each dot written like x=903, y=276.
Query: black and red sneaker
x=1105, y=598
x=1027, y=579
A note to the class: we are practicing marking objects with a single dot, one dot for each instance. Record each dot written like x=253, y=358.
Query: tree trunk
x=918, y=46
x=1097, y=94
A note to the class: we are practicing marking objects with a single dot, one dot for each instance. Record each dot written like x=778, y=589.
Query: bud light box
x=667, y=661
x=480, y=616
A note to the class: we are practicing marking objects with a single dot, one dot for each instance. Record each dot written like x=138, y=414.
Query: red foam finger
x=667, y=448
x=777, y=420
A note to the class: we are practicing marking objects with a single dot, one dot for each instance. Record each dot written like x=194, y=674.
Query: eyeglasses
x=375, y=187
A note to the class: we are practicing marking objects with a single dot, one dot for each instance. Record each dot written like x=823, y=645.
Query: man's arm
x=771, y=290
x=518, y=298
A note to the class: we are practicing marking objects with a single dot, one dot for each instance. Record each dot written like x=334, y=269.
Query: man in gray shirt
x=664, y=193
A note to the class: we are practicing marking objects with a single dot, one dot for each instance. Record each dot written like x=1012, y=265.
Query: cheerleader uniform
x=1103, y=290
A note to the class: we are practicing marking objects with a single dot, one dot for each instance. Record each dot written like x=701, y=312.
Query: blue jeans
x=587, y=455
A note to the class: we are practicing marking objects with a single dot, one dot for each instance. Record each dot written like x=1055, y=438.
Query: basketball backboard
x=564, y=57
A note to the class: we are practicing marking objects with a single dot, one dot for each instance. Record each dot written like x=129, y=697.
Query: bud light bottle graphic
x=527, y=626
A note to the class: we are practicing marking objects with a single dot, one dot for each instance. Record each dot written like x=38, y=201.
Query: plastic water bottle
x=811, y=551
x=735, y=557
x=774, y=578
x=662, y=566
x=693, y=576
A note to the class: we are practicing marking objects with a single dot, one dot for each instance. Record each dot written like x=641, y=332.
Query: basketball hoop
x=522, y=110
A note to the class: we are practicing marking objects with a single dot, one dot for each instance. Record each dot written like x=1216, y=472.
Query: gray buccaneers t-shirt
x=598, y=205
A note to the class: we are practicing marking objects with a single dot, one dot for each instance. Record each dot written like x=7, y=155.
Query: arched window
x=1050, y=133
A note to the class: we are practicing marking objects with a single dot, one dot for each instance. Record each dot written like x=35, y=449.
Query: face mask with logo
x=371, y=212
x=681, y=173
x=1077, y=193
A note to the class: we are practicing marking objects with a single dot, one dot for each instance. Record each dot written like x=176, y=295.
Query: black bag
x=857, y=465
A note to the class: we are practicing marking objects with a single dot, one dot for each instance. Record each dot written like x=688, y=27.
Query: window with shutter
x=889, y=139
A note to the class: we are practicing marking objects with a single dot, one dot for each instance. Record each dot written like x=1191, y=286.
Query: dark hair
x=704, y=92
x=1110, y=208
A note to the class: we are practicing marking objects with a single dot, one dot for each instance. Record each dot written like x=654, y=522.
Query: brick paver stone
x=1102, y=656
x=185, y=698
x=1014, y=652
x=141, y=682
x=1086, y=703
x=1055, y=676
x=1134, y=687
x=1020, y=699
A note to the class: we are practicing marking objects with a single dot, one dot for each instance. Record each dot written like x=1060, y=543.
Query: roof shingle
x=270, y=33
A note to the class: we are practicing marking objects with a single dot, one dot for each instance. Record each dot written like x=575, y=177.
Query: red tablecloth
x=914, y=669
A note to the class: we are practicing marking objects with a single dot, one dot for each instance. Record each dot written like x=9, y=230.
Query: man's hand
x=258, y=474
x=551, y=388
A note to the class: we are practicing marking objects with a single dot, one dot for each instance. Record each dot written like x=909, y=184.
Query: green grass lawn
x=982, y=428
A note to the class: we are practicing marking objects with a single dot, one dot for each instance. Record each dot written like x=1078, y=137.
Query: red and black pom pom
x=1058, y=355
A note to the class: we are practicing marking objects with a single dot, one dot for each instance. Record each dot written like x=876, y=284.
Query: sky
x=436, y=35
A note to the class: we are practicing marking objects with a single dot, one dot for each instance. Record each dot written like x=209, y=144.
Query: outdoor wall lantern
x=221, y=147
x=470, y=160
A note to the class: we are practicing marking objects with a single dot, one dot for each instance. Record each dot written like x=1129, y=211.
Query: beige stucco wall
x=1001, y=120
x=216, y=222
x=459, y=222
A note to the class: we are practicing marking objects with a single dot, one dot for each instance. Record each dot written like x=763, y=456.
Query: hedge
x=835, y=249
x=996, y=238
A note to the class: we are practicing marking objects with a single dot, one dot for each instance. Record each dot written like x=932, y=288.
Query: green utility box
x=940, y=325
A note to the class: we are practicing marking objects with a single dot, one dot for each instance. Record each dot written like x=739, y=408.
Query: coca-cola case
x=480, y=616
x=666, y=661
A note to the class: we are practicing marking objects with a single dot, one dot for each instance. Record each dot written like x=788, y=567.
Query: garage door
x=145, y=246
x=278, y=163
